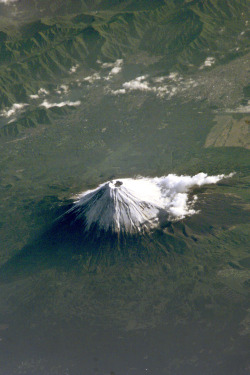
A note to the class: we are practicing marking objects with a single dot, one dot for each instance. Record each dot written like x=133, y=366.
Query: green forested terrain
x=36, y=50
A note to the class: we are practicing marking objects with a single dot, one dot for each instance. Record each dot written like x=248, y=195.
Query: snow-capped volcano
x=133, y=205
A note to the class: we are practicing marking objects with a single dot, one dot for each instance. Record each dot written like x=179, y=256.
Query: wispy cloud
x=208, y=62
x=16, y=107
x=163, y=86
x=139, y=83
x=41, y=92
x=74, y=68
x=116, y=68
x=63, y=89
x=92, y=78
x=47, y=105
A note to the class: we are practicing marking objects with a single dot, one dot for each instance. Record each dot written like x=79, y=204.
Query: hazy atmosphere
x=124, y=187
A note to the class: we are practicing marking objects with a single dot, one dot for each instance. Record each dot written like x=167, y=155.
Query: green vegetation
x=180, y=33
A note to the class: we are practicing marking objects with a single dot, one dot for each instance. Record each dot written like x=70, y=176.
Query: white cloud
x=174, y=76
x=46, y=104
x=166, y=86
x=43, y=91
x=159, y=79
x=117, y=92
x=133, y=205
x=117, y=64
x=116, y=68
x=174, y=192
x=139, y=83
x=94, y=77
x=74, y=68
x=62, y=89
x=65, y=88
x=107, y=65
x=16, y=107
x=208, y=62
